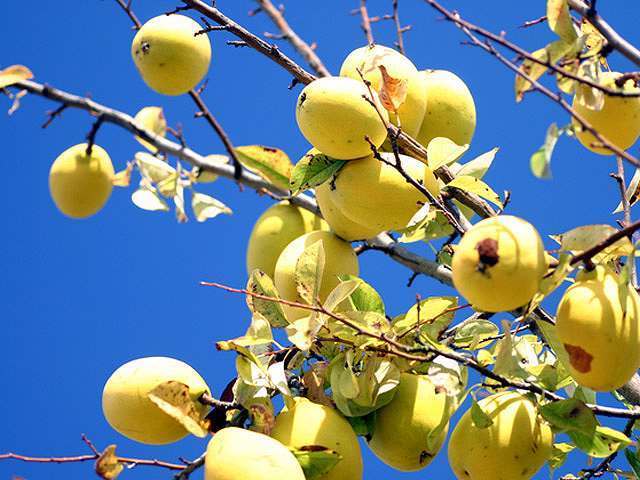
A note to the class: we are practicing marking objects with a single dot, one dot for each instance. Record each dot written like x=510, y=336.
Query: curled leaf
x=206, y=207
x=393, y=91
x=107, y=465
x=174, y=399
x=14, y=74
x=146, y=198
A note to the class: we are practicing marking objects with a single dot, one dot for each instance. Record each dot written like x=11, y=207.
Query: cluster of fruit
x=498, y=266
x=408, y=432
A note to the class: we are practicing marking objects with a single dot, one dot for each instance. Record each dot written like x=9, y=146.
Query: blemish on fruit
x=303, y=97
x=487, y=253
x=424, y=455
x=145, y=47
x=579, y=358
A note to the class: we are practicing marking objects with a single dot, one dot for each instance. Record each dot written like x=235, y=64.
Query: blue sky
x=79, y=298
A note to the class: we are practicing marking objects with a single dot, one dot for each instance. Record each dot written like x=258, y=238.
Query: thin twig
x=366, y=21
x=399, y=28
x=127, y=9
x=626, y=207
x=190, y=468
x=302, y=47
x=607, y=242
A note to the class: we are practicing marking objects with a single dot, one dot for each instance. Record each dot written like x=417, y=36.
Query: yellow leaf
x=393, y=91
x=473, y=185
x=549, y=54
x=206, y=207
x=123, y=177
x=152, y=120
x=174, y=399
x=559, y=20
x=14, y=74
x=199, y=175
x=270, y=163
x=107, y=466
x=442, y=151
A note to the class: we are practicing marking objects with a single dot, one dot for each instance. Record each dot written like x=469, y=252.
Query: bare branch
x=614, y=39
x=127, y=9
x=366, y=21
x=292, y=37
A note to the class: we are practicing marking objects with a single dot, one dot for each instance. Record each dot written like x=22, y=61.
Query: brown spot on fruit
x=303, y=97
x=579, y=358
x=424, y=455
x=487, y=253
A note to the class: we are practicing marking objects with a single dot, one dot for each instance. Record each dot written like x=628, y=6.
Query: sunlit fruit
x=499, y=263
x=340, y=259
x=81, y=184
x=170, y=57
x=375, y=195
x=409, y=431
x=514, y=447
x=599, y=330
x=128, y=409
x=367, y=60
x=237, y=454
x=334, y=115
x=278, y=226
x=309, y=423
x=451, y=111
x=618, y=121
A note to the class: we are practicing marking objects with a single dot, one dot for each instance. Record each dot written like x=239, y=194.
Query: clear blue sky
x=79, y=298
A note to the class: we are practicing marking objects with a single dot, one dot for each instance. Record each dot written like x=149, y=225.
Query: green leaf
x=634, y=462
x=602, y=443
x=479, y=165
x=570, y=415
x=478, y=416
x=364, y=426
x=270, y=163
x=365, y=298
x=205, y=207
x=261, y=284
x=559, y=20
x=541, y=160
x=313, y=170
x=442, y=151
x=308, y=273
x=471, y=334
x=550, y=282
x=341, y=292
x=473, y=185
x=315, y=460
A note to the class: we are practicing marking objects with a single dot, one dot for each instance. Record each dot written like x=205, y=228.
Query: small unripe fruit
x=278, y=226
x=309, y=423
x=402, y=428
x=170, y=57
x=514, y=447
x=601, y=340
x=234, y=454
x=81, y=184
x=128, y=409
x=499, y=263
x=368, y=60
x=340, y=259
x=618, y=121
x=375, y=195
x=450, y=112
x=335, y=117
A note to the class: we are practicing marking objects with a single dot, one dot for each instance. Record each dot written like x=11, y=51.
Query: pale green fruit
x=514, y=447
x=375, y=195
x=409, y=431
x=309, y=423
x=451, y=111
x=128, y=409
x=340, y=224
x=368, y=61
x=237, y=454
x=603, y=344
x=168, y=55
x=335, y=118
x=340, y=259
x=278, y=226
x=618, y=120
x=81, y=184
x=499, y=263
